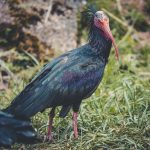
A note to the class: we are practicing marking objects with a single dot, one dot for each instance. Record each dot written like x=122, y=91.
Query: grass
x=116, y=116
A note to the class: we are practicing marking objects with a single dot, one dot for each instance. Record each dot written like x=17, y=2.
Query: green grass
x=116, y=116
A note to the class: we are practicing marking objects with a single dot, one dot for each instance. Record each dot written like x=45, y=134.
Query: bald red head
x=101, y=21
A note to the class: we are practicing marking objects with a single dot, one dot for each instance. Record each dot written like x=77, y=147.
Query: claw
x=48, y=138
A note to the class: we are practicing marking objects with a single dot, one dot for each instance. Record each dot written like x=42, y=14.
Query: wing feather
x=58, y=83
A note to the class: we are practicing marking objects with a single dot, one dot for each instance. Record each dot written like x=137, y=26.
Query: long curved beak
x=108, y=33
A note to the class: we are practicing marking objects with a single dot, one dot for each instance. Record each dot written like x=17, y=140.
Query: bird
x=15, y=130
x=71, y=77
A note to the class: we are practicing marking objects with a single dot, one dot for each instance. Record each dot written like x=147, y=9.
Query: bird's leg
x=51, y=116
x=75, y=128
x=75, y=107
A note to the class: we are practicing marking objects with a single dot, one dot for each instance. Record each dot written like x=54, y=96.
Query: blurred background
x=33, y=32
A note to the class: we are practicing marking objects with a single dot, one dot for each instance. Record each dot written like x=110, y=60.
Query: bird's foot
x=48, y=138
x=75, y=135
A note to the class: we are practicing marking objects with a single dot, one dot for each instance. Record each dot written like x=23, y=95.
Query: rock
x=60, y=30
x=32, y=28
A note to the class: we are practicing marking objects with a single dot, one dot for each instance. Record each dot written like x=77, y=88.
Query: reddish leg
x=51, y=116
x=75, y=115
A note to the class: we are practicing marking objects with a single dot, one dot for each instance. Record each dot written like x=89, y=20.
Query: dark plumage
x=14, y=130
x=70, y=78
x=63, y=82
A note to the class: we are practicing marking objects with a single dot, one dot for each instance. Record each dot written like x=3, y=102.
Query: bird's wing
x=68, y=80
x=49, y=66
x=37, y=89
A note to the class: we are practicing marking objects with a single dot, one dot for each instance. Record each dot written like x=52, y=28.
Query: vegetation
x=117, y=115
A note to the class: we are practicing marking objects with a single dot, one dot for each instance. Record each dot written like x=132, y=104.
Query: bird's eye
x=100, y=20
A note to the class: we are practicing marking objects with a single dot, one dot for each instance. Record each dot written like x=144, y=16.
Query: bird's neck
x=100, y=44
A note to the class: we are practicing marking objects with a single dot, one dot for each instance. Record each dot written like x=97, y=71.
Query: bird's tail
x=15, y=130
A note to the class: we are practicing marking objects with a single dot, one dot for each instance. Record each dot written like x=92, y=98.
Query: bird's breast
x=78, y=85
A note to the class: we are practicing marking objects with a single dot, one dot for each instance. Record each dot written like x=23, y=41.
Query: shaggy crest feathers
x=88, y=15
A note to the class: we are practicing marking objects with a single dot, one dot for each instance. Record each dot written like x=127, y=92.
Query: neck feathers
x=99, y=42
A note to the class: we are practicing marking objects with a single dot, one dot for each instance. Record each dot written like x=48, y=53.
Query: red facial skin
x=102, y=22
